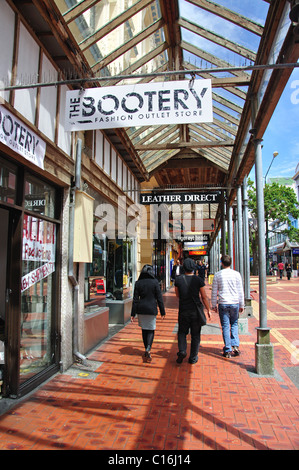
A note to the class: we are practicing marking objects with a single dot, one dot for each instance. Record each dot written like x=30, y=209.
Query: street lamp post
x=267, y=228
x=274, y=156
x=264, y=352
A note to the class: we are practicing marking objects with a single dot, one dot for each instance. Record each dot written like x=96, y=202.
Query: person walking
x=281, y=268
x=177, y=270
x=201, y=269
x=188, y=287
x=228, y=287
x=146, y=299
x=289, y=271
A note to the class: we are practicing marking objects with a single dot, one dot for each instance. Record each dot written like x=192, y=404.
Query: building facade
x=64, y=275
x=280, y=247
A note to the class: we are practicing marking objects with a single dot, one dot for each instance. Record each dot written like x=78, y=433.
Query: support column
x=240, y=231
x=230, y=232
x=211, y=259
x=264, y=352
x=246, y=250
x=223, y=226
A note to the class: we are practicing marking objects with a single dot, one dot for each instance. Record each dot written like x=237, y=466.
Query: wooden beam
x=128, y=45
x=214, y=160
x=229, y=15
x=227, y=103
x=113, y=24
x=227, y=83
x=52, y=16
x=181, y=145
x=217, y=39
x=201, y=54
x=78, y=10
x=170, y=14
x=198, y=162
x=138, y=64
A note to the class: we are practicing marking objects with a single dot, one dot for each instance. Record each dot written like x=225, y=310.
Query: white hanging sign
x=174, y=102
x=20, y=138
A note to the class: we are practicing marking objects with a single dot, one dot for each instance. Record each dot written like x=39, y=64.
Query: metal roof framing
x=99, y=43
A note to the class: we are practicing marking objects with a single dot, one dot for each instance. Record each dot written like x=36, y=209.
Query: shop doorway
x=4, y=217
x=29, y=281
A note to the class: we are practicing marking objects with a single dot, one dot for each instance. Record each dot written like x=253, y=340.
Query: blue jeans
x=229, y=315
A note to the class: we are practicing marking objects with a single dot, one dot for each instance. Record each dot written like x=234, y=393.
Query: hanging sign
x=139, y=105
x=211, y=197
x=20, y=138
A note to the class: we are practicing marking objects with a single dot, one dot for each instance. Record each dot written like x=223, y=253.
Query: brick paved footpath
x=121, y=403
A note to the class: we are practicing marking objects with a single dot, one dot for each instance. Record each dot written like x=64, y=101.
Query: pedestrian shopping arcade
x=128, y=130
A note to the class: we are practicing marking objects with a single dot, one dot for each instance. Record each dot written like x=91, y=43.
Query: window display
x=112, y=271
x=37, y=287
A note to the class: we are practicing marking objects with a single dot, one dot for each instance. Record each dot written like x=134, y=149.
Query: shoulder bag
x=199, y=308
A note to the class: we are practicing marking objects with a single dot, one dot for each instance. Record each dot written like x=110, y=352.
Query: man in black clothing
x=188, y=287
x=177, y=270
x=201, y=269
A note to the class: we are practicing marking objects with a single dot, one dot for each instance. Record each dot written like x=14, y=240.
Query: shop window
x=120, y=269
x=111, y=272
x=37, y=295
x=39, y=197
x=8, y=174
x=95, y=277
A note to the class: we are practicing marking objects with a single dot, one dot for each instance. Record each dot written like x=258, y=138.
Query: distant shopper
x=289, y=271
x=147, y=296
x=201, y=269
x=188, y=287
x=177, y=270
x=228, y=287
x=280, y=268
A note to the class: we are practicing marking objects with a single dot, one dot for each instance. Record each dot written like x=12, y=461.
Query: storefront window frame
x=54, y=334
x=112, y=290
x=12, y=385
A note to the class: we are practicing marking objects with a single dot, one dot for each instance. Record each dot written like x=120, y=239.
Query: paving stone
x=119, y=403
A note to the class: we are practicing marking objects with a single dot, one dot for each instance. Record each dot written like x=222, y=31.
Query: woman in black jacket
x=147, y=294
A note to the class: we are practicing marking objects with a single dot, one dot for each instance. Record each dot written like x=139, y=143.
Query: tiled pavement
x=122, y=403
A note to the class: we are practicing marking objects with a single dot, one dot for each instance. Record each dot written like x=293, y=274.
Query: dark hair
x=226, y=260
x=147, y=272
x=189, y=265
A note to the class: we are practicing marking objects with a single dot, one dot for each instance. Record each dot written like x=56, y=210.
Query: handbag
x=199, y=308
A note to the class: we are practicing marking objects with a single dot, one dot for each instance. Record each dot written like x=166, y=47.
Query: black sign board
x=197, y=237
x=211, y=197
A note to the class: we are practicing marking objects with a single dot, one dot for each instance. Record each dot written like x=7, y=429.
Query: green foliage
x=280, y=204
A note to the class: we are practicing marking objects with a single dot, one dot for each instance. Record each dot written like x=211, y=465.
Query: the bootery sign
x=139, y=105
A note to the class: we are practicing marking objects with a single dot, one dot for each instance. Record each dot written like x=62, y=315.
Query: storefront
x=109, y=279
x=296, y=260
x=30, y=230
x=291, y=253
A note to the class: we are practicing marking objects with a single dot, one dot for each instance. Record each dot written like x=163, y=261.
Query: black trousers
x=148, y=338
x=188, y=321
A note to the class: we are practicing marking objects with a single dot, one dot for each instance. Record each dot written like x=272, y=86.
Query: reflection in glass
x=8, y=174
x=159, y=262
x=39, y=197
x=38, y=266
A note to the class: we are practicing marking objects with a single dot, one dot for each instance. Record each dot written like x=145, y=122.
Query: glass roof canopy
x=151, y=37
